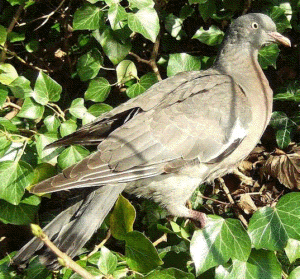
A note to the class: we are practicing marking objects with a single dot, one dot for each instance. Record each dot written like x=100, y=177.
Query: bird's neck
x=238, y=61
x=241, y=62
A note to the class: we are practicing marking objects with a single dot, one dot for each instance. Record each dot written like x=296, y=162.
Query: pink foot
x=198, y=217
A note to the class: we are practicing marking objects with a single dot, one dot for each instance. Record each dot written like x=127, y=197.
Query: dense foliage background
x=63, y=63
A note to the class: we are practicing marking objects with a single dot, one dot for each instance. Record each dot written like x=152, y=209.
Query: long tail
x=72, y=228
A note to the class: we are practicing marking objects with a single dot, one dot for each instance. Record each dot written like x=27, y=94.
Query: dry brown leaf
x=246, y=204
x=285, y=167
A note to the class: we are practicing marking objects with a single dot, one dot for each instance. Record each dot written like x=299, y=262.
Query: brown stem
x=235, y=208
x=9, y=29
x=163, y=238
x=154, y=57
x=152, y=61
x=247, y=6
x=22, y=60
x=63, y=258
x=97, y=247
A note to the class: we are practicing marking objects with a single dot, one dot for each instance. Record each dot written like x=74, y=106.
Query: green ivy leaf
x=88, y=17
x=21, y=88
x=32, y=46
x=98, y=90
x=140, y=4
x=126, y=70
x=220, y=240
x=46, y=89
x=181, y=62
x=87, y=118
x=3, y=35
x=280, y=120
x=71, y=155
x=4, y=145
x=289, y=93
x=191, y=2
x=42, y=172
x=94, y=271
x=6, y=124
x=16, y=2
x=115, y=50
x=47, y=155
x=174, y=25
x=108, y=262
x=89, y=64
x=7, y=73
x=278, y=14
x=98, y=109
x=95, y=1
x=260, y=265
x=6, y=270
x=212, y=36
x=292, y=250
x=270, y=228
x=36, y=270
x=295, y=274
x=207, y=9
x=140, y=253
x=283, y=138
x=16, y=37
x=3, y=94
x=283, y=126
x=68, y=127
x=77, y=108
x=21, y=214
x=267, y=56
x=233, y=5
x=169, y=273
x=30, y=109
x=15, y=177
x=116, y=14
x=145, y=22
x=112, y=2
x=186, y=11
x=52, y=123
x=122, y=218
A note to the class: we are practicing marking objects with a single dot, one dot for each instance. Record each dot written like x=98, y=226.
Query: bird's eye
x=254, y=25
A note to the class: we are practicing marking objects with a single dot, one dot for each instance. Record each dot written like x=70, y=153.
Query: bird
x=185, y=130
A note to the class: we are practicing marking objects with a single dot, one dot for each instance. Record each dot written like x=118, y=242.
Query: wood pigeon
x=185, y=130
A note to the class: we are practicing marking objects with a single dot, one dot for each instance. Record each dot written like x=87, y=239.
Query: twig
x=139, y=59
x=57, y=110
x=152, y=61
x=49, y=15
x=23, y=61
x=163, y=238
x=10, y=104
x=99, y=246
x=63, y=258
x=229, y=197
x=214, y=200
x=247, y=6
x=10, y=28
x=154, y=57
x=15, y=110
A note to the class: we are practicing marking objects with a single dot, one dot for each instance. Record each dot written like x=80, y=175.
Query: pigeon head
x=255, y=29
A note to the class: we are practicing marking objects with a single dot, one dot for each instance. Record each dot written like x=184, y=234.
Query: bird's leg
x=198, y=217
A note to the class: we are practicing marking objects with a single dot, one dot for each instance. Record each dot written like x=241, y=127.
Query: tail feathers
x=72, y=228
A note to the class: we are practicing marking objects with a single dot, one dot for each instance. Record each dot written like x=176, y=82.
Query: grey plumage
x=185, y=130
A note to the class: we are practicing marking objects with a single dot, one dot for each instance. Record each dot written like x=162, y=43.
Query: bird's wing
x=167, y=91
x=204, y=118
x=205, y=123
